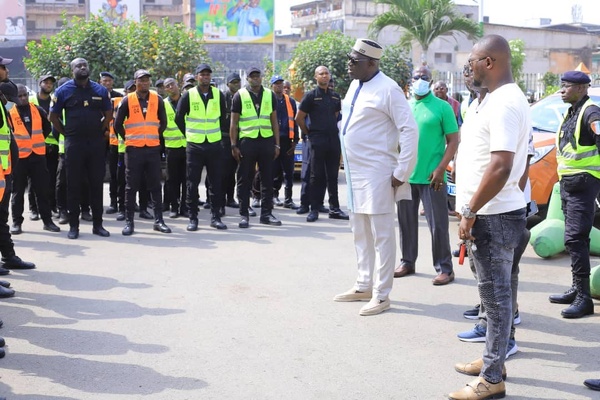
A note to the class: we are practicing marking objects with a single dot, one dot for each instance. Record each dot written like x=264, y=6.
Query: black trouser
x=260, y=150
x=142, y=164
x=34, y=167
x=116, y=196
x=578, y=194
x=228, y=168
x=7, y=247
x=324, y=168
x=175, y=186
x=85, y=158
x=61, y=188
x=283, y=166
x=199, y=156
x=52, y=166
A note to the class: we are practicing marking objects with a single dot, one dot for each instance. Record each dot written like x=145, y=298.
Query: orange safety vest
x=36, y=142
x=140, y=131
x=290, y=112
x=113, y=139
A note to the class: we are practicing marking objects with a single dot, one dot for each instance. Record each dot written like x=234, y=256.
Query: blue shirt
x=84, y=108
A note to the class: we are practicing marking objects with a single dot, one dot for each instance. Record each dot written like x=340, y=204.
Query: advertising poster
x=116, y=12
x=12, y=15
x=235, y=21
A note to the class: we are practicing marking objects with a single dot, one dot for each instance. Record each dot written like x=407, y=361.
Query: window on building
x=443, y=58
x=30, y=25
x=59, y=24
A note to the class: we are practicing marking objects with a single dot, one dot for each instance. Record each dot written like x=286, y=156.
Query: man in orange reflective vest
x=30, y=129
x=283, y=166
x=116, y=196
x=141, y=120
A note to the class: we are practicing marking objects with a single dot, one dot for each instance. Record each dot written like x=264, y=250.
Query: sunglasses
x=424, y=77
x=354, y=61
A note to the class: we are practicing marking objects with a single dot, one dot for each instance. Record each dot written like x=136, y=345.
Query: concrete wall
x=234, y=56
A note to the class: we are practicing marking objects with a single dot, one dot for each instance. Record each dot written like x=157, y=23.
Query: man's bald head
x=490, y=62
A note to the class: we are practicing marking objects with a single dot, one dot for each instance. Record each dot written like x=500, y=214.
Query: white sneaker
x=375, y=306
x=354, y=295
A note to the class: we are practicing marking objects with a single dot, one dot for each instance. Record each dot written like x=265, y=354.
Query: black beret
x=576, y=77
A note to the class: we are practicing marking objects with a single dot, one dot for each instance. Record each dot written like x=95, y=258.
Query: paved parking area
x=248, y=314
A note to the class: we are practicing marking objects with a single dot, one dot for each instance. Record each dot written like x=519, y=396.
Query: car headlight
x=541, y=152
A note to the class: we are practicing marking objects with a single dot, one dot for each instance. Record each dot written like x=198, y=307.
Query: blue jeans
x=496, y=238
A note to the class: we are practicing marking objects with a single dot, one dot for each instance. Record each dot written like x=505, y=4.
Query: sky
x=507, y=12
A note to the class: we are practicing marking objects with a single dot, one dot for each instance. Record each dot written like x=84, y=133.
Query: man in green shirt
x=438, y=142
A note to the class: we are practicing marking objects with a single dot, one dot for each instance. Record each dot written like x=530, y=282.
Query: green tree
x=422, y=21
x=396, y=64
x=328, y=49
x=517, y=59
x=551, y=83
x=168, y=50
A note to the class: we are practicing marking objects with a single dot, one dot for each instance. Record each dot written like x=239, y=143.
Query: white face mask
x=420, y=87
x=9, y=105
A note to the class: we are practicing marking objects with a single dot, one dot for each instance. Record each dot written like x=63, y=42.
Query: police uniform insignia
x=85, y=103
x=54, y=98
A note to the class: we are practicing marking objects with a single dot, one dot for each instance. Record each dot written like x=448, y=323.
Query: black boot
x=565, y=298
x=583, y=304
x=288, y=202
x=216, y=222
x=160, y=226
x=129, y=226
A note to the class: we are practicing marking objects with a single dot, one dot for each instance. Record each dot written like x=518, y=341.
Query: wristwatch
x=233, y=146
x=277, y=146
x=466, y=212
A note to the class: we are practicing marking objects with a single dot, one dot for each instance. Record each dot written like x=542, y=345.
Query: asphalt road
x=248, y=314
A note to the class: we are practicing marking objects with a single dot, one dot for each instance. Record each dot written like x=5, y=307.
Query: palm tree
x=423, y=21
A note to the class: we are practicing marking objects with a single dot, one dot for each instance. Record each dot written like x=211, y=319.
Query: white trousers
x=375, y=242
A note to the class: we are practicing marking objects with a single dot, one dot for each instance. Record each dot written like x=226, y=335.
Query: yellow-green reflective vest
x=582, y=159
x=173, y=137
x=252, y=123
x=202, y=123
x=50, y=139
x=61, y=137
x=5, y=142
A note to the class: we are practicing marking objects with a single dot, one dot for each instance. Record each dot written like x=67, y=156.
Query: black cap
x=168, y=81
x=203, y=67
x=47, y=76
x=5, y=61
x=105, y=73
x=576, y=77
x=9, y=90
x=140, y=73
x=189, y=78
x=129, y=84
x=233, y=76
x=188, y=85
x=253, y=69
x=159, y=82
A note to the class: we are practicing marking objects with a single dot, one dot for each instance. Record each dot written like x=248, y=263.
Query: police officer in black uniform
x=323, y=107
x=88, y=112
x=229, y=163
x=578, y=158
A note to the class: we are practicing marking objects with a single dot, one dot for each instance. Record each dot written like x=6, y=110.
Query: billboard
x=116, y=12
x=12, y=13
x=235, y=21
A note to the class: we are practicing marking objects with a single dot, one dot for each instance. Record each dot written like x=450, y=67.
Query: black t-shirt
x=586, y=137
x=44, y=103
x=236, y=102
x=321, y=106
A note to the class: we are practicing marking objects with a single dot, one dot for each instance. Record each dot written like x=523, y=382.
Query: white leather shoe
x=354, y=295
x=375, y=306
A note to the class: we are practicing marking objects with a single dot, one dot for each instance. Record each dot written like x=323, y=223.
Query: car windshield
x=546, y=114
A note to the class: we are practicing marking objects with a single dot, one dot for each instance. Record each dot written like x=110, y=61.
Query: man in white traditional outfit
x=379, y=143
